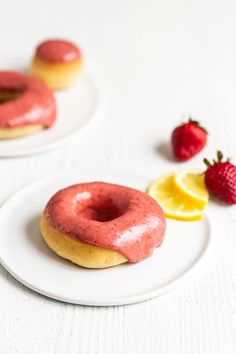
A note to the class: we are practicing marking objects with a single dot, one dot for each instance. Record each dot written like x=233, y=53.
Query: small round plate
x=75, y=106
x=26, y=256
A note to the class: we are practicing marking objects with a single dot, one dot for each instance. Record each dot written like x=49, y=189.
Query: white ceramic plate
x=76, y=106
x=25, y=255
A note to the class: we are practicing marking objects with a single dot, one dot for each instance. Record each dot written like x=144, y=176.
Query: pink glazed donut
x=26, y=105
x=57, y=62
x=98, y=224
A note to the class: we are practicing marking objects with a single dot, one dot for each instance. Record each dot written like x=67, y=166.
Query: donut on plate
x=57, y=62
x=99, y=225
x=26, y=105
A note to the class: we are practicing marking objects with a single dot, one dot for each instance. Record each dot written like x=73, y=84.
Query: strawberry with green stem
x=188, y=139
x=220, y=179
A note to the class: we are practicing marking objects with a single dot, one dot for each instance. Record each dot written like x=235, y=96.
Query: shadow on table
x=164, y=149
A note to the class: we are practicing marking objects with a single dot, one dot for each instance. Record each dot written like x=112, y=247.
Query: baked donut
x=26, y=105
x=57, y=62
x=100, y=225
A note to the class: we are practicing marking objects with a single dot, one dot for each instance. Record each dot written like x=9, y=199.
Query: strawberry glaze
x=58, y=51
x=34, y=105
x=110, y=216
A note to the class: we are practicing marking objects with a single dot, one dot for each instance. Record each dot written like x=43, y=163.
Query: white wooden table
x=153, y=62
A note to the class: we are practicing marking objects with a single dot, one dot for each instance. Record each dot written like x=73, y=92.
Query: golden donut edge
x=56, y=75
x=78, y=252
x=11, y=133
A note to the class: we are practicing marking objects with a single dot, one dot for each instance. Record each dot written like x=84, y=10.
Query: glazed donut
x=26, y=105
x=100, y=225
x=57, y=62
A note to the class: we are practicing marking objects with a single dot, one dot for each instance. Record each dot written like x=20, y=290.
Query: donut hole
x=9, y=95
x=105, y=213
x=102, y=209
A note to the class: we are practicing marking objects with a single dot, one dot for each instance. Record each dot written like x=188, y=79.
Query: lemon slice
x=192, y=186
x=174, y=204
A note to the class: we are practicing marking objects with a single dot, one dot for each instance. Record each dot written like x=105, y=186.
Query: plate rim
x=105, y=302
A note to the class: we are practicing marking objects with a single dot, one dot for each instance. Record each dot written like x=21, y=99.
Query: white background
x=153, y=62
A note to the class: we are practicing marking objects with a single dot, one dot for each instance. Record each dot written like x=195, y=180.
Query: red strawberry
x=220, y=179
x=188, y=139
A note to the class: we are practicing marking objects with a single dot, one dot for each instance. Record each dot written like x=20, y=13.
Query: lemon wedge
x=192, y=186
x=173, y=203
